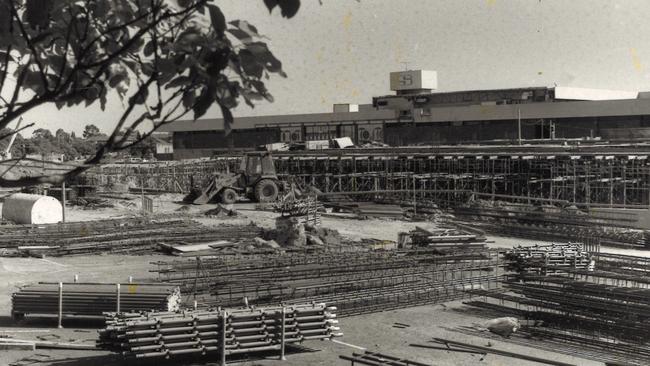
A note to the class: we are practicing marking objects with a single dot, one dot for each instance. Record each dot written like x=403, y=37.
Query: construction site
x=458, y=255
x=179, y=187
x=336, y=239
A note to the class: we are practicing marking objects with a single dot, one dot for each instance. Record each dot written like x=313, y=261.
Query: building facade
x=422, y=117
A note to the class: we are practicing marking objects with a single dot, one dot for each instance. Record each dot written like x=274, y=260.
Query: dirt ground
x=373, y=332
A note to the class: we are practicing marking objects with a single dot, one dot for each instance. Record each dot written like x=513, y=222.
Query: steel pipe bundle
x=548, y=259
x=223, y=332
x=93, y=299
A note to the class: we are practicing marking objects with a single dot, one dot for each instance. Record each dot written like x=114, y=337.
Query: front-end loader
x=256, y=179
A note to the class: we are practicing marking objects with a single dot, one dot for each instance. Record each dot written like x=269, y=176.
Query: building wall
x=194, y=144
x=165, y=156
x=164, y=148
x=442, y=133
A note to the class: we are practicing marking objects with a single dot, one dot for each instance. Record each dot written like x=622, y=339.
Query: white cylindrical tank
x=23, y=208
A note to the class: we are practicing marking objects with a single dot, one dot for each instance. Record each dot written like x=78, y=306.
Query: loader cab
x=256, y=166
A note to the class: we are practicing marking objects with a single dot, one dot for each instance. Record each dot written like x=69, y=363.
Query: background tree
x=42, y=134
x=62, y=137
x=145, y=149
x=16, y=149
x=90, y=131
x=165, y=59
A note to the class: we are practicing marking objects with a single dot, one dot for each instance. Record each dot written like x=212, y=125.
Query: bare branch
x=2, y=137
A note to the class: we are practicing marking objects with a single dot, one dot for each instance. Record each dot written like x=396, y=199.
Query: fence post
x=224, y=316
x=118, y=297
x=60, y=305
x=282, y=333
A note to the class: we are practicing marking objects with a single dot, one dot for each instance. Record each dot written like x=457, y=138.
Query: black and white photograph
x=324, y=182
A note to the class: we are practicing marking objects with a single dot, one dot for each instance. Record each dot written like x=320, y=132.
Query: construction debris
x=443, y=239
x=307, y=211
x=379, y=359
x=366, y=210
x=17, y=345
x=218, y=333
x=208, y=248
x=88, y=203
x=93, y=299
x=290, y=231
x=468, y=346
x=221, y=211
x=503, y=326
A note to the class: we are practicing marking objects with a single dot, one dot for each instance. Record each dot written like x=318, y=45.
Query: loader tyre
x=266, y=191
x=229, y=196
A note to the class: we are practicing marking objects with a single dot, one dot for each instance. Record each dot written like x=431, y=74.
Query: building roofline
x=210, y=124
x=549, y=110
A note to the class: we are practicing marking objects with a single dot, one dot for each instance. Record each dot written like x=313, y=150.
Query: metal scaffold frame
x=595, y=177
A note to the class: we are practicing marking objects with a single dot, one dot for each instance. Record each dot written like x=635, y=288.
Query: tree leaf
x=149, y=49
x=141, y=96
x=245, y=27
x=116, y=79
x=218, y=19
x=179, y=81
x=184, y=3
x=102, y=98
x=240, y=35
x=188, y=99
x=37, y=12
x=289, y=7
x=228, y=119
x=204, y=101
x=166, y=67
x=250, y=64
x=271, y=4
x=265, y=57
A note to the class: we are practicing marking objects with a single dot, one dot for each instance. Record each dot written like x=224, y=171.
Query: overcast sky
x=342, y=51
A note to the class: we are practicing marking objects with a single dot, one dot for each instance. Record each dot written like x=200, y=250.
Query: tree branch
x=5, y=68
x=31, y=46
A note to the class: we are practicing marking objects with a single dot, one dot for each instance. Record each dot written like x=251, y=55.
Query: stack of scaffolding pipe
x=548, y=259
x=94, y=299
x=170, y=334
